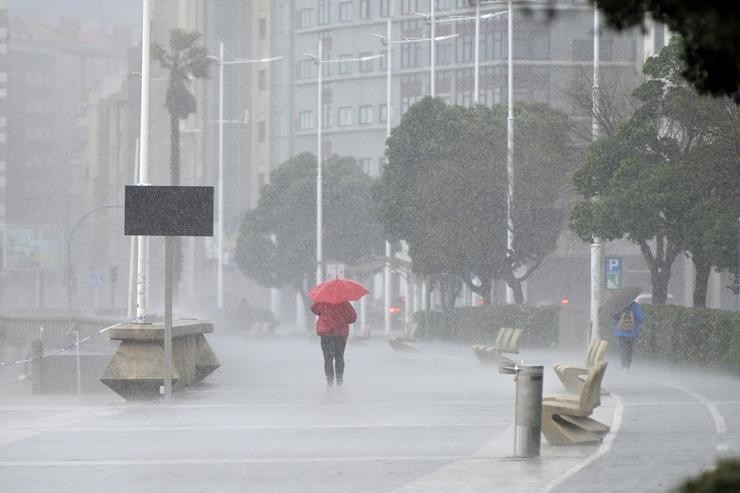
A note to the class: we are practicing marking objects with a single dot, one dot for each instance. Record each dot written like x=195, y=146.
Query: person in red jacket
x=333, y=328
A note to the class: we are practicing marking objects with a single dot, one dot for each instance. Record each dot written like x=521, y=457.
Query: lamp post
x=143, y=243
x=597, y=247
x=319, y=60
x=220, y=205
x=387, y=41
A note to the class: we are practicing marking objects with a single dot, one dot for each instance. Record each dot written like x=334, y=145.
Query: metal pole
x=388, y=252
x=319, y=177
x=220, y=270
x=143, y=261
x=168, y=317
x=433, y=53
x=528, y=417
x=597, y=247
x=476, y=76
x=510, y=147
x=77, y=361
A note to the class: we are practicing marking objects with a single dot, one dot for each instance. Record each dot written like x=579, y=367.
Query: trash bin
x=528, y=409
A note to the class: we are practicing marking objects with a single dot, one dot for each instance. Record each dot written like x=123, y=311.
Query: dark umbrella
x=618, y=301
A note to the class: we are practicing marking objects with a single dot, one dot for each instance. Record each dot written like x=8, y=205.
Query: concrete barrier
x=137, y=369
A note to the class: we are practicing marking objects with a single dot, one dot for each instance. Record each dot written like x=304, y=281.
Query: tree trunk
x=703, y=269
x=175, y=151
x=660, y=266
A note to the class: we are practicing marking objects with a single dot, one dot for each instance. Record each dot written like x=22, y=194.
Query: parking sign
x=613, y=268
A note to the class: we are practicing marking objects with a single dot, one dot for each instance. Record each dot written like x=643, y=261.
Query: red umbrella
x=338, y=290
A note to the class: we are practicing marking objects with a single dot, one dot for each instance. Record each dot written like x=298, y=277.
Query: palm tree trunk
x=174, y=150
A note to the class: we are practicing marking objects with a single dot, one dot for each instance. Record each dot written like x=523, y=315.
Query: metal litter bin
x=528, y=410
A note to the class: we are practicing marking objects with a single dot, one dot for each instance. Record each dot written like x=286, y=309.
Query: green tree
x=710, y=39
x=643, y=183
x=444, y=192
x=277, y=241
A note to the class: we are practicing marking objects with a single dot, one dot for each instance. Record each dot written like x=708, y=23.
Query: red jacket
x=334, y=318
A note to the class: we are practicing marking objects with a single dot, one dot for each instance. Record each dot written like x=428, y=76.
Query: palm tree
x=184, y=61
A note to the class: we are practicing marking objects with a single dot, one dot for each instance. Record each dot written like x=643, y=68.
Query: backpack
x=626, y=320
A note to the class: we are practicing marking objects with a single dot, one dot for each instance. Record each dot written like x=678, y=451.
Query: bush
x=694, y=336
x=480, y=324
x=725, y=478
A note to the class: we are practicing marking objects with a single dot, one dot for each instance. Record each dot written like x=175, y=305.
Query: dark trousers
x=625, y=351
x=333, y=349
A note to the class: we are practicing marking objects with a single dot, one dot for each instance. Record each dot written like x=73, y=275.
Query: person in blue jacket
x=627, y=325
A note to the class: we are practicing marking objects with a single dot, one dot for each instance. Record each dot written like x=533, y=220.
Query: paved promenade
x=429, y=421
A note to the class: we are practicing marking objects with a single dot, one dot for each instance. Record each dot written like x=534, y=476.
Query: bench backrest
x=591, y=393
x=411, y=330
x=596, y=351
x=508, y=339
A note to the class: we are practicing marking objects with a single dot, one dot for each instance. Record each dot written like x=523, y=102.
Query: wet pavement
x=433, y=420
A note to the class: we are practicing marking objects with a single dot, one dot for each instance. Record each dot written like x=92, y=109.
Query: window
x=382, y=113
x=345, y=11
x=365, y=116
x=365, y=164
x=411, y=52
x=262, y=80
x=344, y=64
x=465, y=47
x=263, y=28
x=306, y=69
x=324, y=11
x=305, y=120
x=345, y=116
x=366, y=65
x=384, y=8
x=409, y=7
x=364, y=9
x=305, y=18
x=261, y=131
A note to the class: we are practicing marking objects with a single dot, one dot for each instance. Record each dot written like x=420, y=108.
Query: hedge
x=700, y=337
x=480, y=324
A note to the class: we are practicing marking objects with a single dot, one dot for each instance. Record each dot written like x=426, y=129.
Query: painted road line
x=123, y=429
x=224, y=461
x=719, y=421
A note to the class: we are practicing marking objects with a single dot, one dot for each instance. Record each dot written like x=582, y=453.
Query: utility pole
x=143, y=242
x=597, y=248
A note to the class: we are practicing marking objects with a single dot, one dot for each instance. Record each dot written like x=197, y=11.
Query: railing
x=56, y=332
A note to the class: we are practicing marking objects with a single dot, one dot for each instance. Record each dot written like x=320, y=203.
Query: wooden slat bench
x=573, y=376
x=507, y=342
x=565, y=417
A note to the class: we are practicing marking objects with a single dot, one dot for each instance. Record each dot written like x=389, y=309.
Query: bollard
x=528, y=418
x=37, y=367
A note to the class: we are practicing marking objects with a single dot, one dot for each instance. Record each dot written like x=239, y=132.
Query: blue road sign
x=613, y=267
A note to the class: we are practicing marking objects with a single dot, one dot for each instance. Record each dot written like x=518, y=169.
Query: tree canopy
x=444, y=191
x=667, y=180
x=710, y=38
x=277, y=241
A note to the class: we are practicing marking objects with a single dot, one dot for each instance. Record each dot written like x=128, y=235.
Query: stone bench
x=401, y=343
x=574, y=376
x=137, y=368
x=507, y=342
x=565, y=417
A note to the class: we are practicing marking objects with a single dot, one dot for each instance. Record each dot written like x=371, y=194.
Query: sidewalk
x=432, y=421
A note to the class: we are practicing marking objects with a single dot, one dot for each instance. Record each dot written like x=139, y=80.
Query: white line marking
x=246, y=460
x=603, y=449
x=105, y=429
x=719, y=422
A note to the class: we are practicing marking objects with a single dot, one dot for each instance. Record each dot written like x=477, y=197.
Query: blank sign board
x=168, y=211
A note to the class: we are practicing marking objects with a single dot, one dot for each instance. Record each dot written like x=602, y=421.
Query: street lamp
x=220, y=227
x=478, y=17
x=387, y=40
x=319, y=61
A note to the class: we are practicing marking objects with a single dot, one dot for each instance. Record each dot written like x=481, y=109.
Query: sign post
x=613, y=268
x=168, y=211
